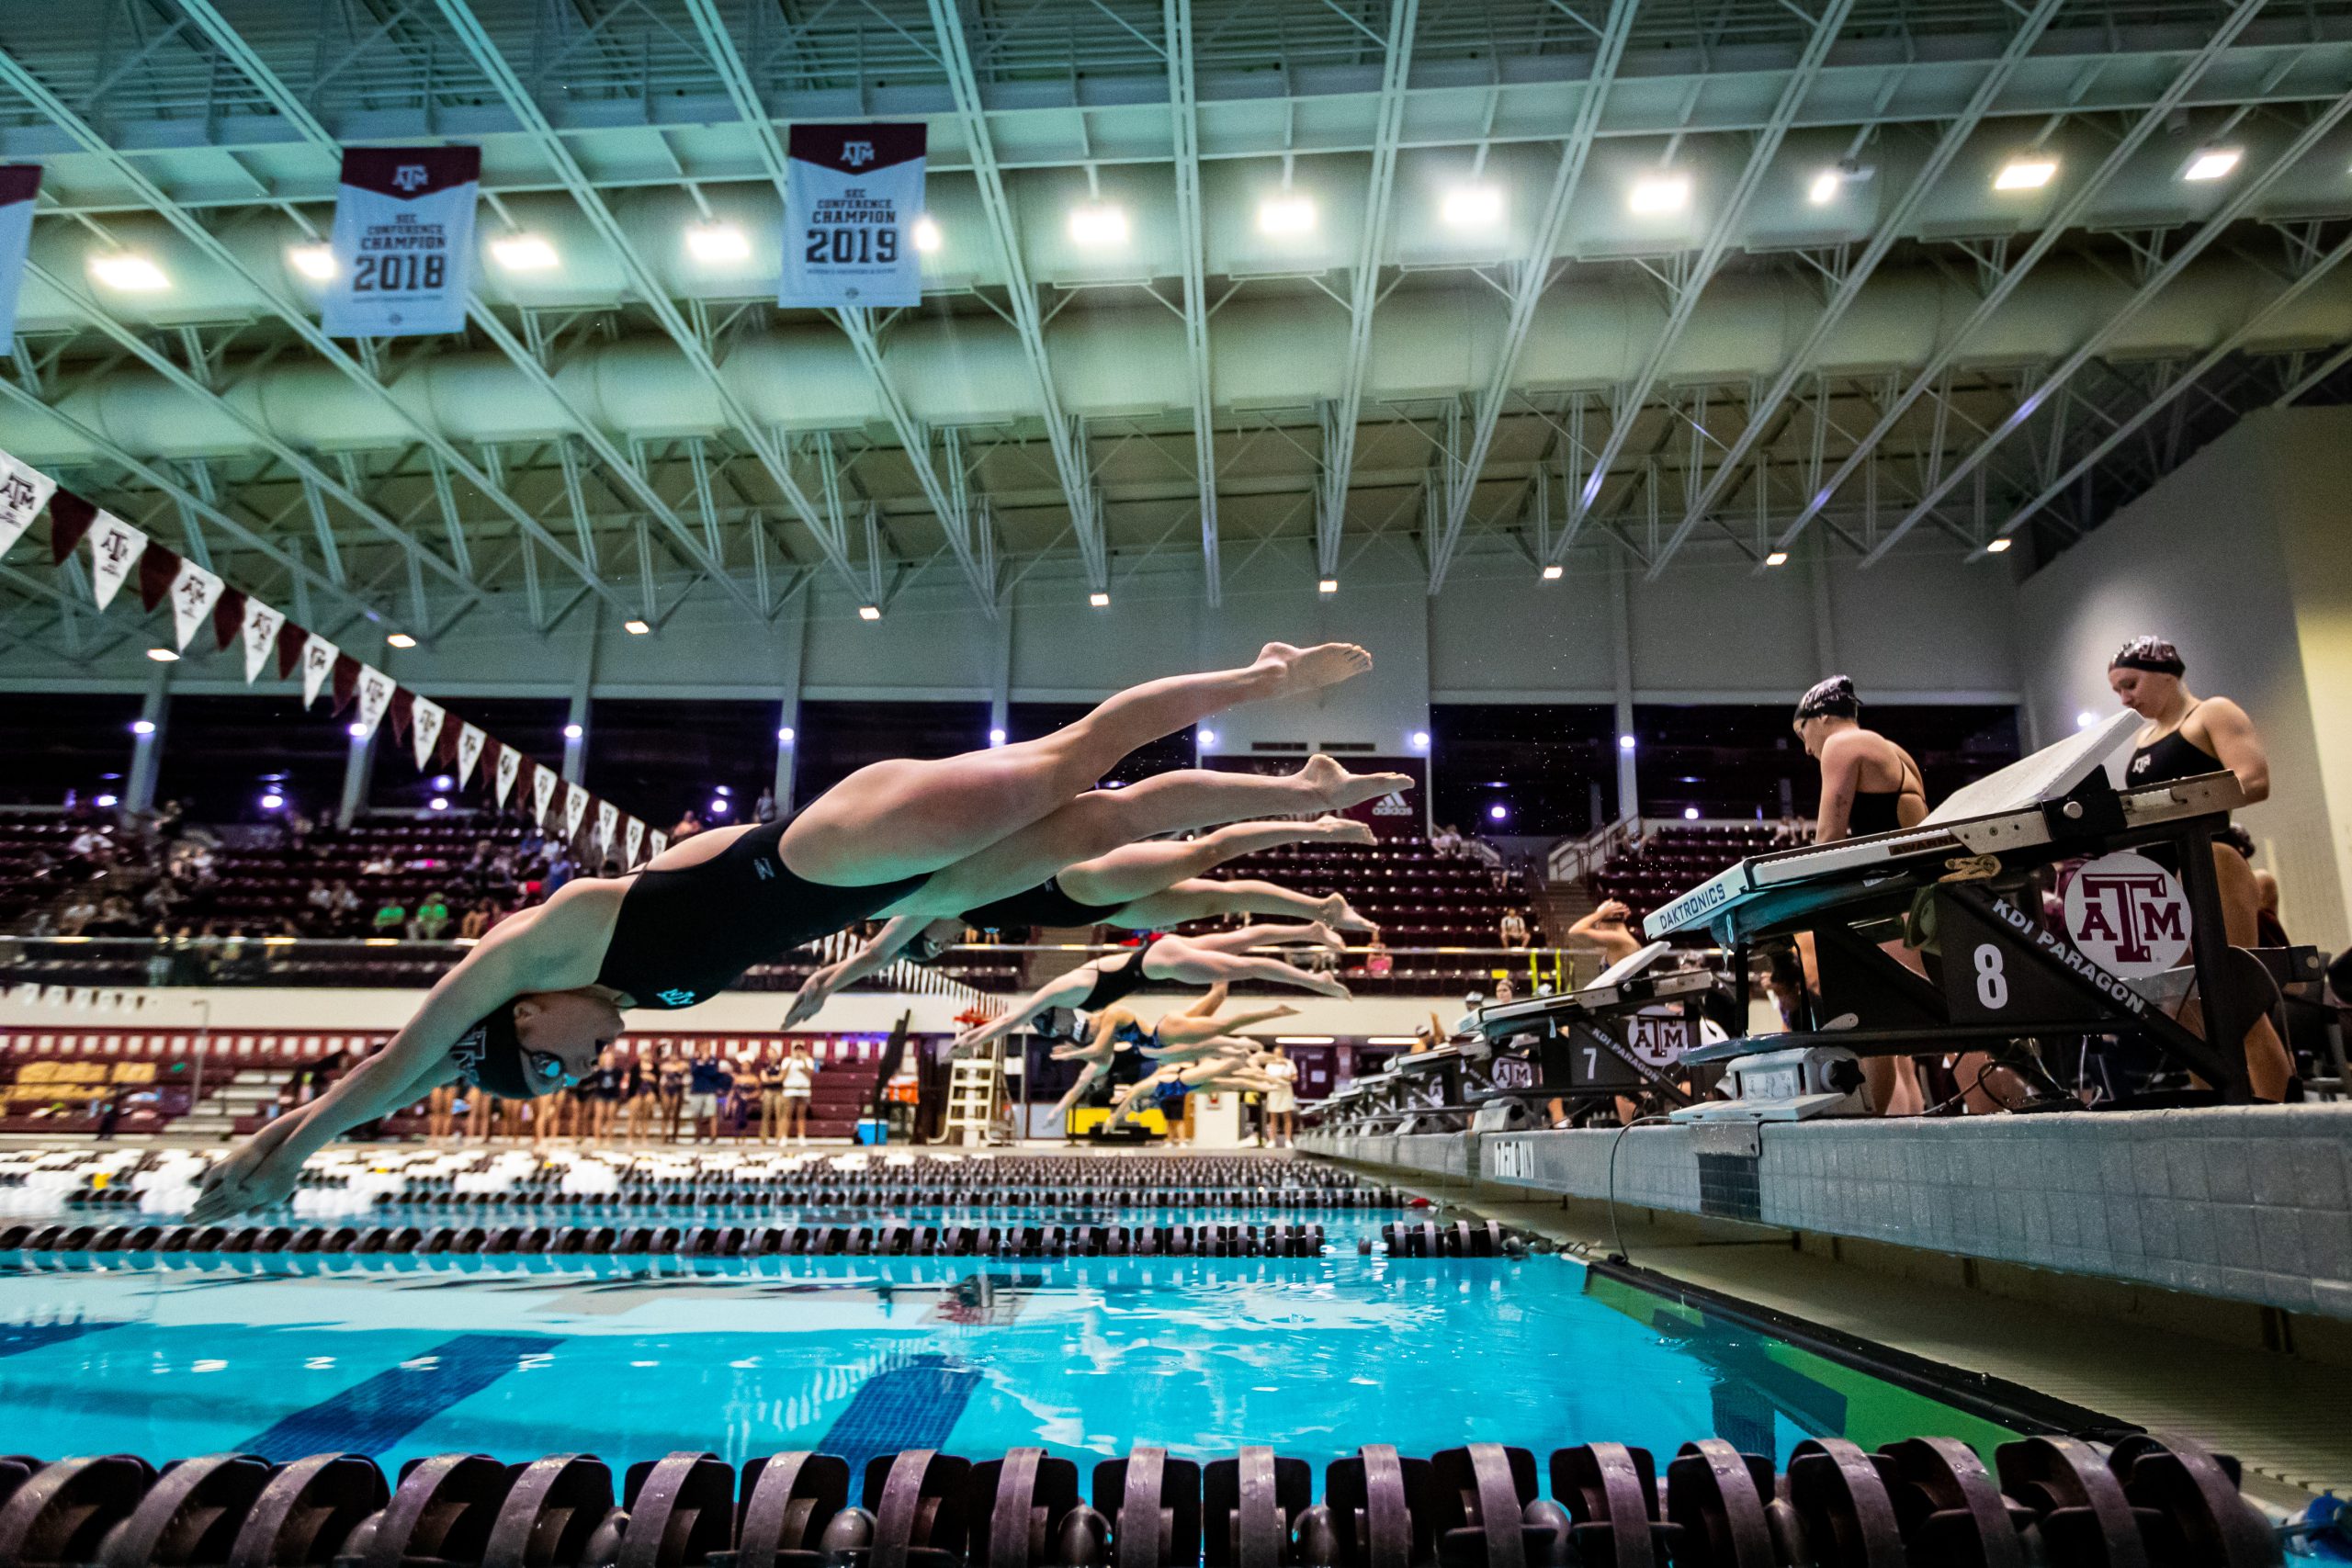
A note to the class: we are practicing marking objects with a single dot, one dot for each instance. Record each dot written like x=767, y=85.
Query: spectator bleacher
x=1672, y=858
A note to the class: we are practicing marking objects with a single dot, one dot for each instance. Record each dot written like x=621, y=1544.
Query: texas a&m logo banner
x=403, y=241
x=851, y=201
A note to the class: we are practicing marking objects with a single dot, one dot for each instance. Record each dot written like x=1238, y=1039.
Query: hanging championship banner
x=469, y=744
x=260, y=634
x=115, y=550
x=851, y=198
x=632, y=840
x=194, y=592
x=510, y=763
x=318, y=662
x=376, y=690
x=426, y=718
x=23, y=493
x=656, y=841
x=575, y=811
x=608, y=816
x=19, y=183
x=403, y=241
x=543, y=783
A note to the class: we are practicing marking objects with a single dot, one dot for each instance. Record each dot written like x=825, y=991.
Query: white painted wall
x=2239, y=557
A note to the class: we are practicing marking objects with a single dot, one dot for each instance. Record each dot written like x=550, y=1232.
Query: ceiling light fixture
x=524, y=253
x=926, y=235
x=2212, y=163
x=2029, y=171
x=1778, y=557
x=1472, y=206
x=1098, y=225
x=634, y=627
x=1100, y=601
x=1552, y=573
x=717, y=243
x=1997, y=547
x=1286, y=214
x=399, y=639
x=129, y=271
x=869, y=612
x=162, y=656
x=313, y=262
x=1656, y=194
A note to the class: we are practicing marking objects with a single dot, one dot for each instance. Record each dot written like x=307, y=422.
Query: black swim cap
x=1833, y=698
x=2152, y=654
x=491, y=1056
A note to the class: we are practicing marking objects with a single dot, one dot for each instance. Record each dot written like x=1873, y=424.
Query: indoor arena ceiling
x=1515, y=280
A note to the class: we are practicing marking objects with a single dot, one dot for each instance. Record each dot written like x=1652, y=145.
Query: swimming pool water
x=631, y=1358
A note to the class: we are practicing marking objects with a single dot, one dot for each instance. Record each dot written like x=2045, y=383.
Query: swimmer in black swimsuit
x=1141, y=888
x=536, y=1001
x=2186, y=735
x=1185, y=960
x=1869, y=784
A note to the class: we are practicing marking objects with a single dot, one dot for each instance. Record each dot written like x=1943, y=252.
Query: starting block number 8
x=1992, y=980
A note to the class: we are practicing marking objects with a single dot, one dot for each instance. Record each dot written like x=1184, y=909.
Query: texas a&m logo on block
x=2128, y=915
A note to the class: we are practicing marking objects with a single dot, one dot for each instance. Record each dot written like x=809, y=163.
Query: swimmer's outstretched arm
x=819, y=988
x=542, y=953
x=1065, y=990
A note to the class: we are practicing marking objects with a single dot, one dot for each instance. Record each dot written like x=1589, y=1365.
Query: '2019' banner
x=851, y=201
x=403, y=241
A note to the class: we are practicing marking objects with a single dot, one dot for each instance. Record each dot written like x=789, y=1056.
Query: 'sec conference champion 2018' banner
x=403, y=241
x=19, y=183
x=851, y=201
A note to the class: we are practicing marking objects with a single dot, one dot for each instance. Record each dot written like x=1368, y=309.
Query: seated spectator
x=763, y=810
x=1446, y=840
x=390, y=917
x=688, y=826
x=1377, y=962
x=431, y=918
x=320, y=900
x=1513, y=928
x=476, y=924
x=377, y=865
x=342, y=909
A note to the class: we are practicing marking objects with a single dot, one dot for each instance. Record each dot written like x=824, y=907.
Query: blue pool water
x=632, y=1358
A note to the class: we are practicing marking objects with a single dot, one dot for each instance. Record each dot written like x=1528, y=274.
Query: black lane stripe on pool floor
x=912, y=1406
x=370, y=1416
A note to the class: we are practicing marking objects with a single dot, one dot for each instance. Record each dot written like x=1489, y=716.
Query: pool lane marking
x=371, y=1415
x=16, y=1340
x=911, y=1405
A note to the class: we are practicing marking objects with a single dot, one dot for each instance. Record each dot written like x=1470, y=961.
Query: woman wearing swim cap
x=2186, y=735
x=1869, y=784
x=532, y=1005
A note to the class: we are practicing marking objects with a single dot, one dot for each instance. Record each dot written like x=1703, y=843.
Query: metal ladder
x=975, y=1086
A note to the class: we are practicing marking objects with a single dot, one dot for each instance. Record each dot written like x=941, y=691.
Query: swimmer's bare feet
x=1324, y=986
x=1290, y=671
x=1325, y=936
x=1338, y=789
x=1340, y=830
x=1337, y=911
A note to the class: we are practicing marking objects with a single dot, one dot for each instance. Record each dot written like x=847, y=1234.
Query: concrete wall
x=2240, y=557
x=2248, y=1204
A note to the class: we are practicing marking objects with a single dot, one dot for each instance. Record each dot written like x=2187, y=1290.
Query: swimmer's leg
x=1099, y=821
x=1138, y=870
x=905, y=816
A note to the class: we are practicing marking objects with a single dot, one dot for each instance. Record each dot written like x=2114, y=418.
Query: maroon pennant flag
x=229, y=619
x=446, y=753
x=69, y=518
x=403, y=706
x=346, y=681
x=290, y=639
x=157, y=566
x=490, y=747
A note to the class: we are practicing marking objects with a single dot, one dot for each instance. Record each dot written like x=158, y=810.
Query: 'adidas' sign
x=1392, y=805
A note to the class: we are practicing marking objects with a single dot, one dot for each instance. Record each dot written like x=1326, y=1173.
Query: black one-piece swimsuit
x=684, y=936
